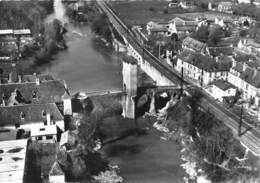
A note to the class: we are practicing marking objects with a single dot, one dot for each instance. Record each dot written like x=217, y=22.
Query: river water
x=87, y=65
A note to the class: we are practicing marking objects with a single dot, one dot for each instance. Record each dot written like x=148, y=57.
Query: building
x=29, y=116
x=13, y=161
x=255, y=2
x=249, y=46
x=195, y=46
x=35, y=92
x=247, y=80
x=187, y=4
x=202, y=69
x=69, y=139
x=182, y=27
x=157, y=28
x=44, y=134
x=226, y=7
x=222, y=89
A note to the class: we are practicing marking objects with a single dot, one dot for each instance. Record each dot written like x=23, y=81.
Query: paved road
x=251, y=139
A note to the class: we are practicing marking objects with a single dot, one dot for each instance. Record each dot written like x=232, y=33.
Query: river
x=86, y=65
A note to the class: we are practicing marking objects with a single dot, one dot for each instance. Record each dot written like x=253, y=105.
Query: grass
x=141, y=12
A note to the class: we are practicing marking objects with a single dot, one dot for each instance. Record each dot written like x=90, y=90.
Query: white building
x=226, y=7
x=222, y=88
x=247, y=80
x=44, y=134
x=202, y=69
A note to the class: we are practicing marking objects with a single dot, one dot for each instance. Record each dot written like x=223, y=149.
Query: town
x=130, y=91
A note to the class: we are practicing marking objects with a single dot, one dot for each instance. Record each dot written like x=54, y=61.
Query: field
x=141, y=12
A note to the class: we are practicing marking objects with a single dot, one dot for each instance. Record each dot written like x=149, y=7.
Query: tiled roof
x=193, y=44
x=223, y=84
x=31, y=113
x=45, y=92
x=204, y=62
x=216, y=51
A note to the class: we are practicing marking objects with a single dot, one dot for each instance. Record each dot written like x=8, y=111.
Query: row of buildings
x=233, y=69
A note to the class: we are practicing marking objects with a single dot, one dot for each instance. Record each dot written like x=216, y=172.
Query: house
x=69, y=139
x=194, y=45
x=181, y=26
x=249, y=46
x=13, y=161
x=29, y=116
x=187, y=4
x=22, y=32
x=226, y=7
x=247, y=80
x=36, y=92
x=45, y=133
x=202, y=69
x=56, y=174
x=157, y=28
x=222, y=89
x=5, y=33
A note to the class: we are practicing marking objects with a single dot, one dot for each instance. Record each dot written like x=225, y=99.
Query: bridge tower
x=130, y=74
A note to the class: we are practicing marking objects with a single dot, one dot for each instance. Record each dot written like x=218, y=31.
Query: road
x=251, y=139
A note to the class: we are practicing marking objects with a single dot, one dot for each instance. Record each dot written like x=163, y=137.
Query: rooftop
x=22, y=31
x=193, y=44
x=46, y=92
x=12, y=160
x=44, y=130
x=205, y=62
x=26, y=114
x=223, y=84
x=6, y=31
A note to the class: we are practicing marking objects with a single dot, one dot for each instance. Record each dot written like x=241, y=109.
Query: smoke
x=59, y=13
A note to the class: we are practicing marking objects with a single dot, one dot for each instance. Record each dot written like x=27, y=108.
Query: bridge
x=163, y=75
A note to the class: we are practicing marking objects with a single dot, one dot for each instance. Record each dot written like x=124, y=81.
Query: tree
x=215, y=36
x=202, y=33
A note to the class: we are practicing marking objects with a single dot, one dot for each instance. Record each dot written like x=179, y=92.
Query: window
x=22, y=115
x=49, y=137
x=43, y=114
x=39, y=138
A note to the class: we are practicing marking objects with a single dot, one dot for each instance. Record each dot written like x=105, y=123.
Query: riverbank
x=143, y=157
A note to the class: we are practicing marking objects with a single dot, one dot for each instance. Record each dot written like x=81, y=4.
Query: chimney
x=37, y=80
x=244, y=66
x=255, y=72
x=48, y=118
x=19, y=79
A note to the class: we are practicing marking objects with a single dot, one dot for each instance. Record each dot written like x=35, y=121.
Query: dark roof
x=216, y=51
x=32, y=114
x=204, y=62
x=193, y=44
x=46, y=92
x=223, y=84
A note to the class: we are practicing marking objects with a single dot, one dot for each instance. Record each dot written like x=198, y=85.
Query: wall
x=157, y=76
